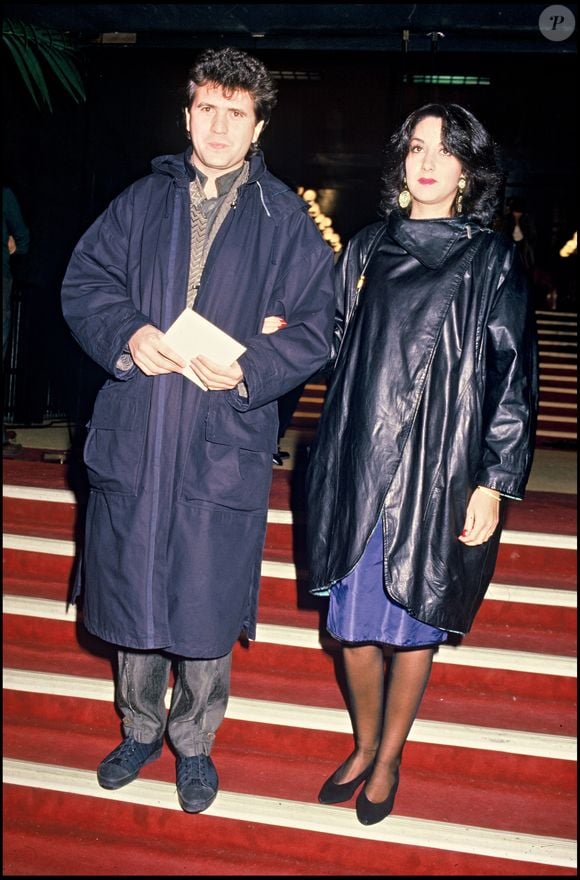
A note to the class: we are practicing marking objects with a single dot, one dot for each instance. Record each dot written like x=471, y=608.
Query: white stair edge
x=497, y=592
x=544, y=351
x=548, y=377
x=470, y=736
x=562, y=435
x=304, y=637
x=306, y=399
x=63, y=547
x=309, y=817
x=460, y=655
x=551, y=389
x=276, y=516
x=548, y=417
x=299, y=414
x=517, y=593
x=289, y=571
x=532, y=595
x=39, y=493
x=555, y=314
x=556, y=403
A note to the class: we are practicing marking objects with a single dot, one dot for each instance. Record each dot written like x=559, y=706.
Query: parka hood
x=180, y=167
x=430, y=241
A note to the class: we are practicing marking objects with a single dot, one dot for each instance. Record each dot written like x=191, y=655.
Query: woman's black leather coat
x=434, y=392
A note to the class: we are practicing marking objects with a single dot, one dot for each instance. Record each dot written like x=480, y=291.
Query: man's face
x=222, y=129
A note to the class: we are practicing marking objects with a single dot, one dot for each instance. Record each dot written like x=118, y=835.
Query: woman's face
x=432, y=172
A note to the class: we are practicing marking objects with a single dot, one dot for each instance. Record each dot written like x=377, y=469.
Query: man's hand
x=151, y=354
x=217, y=377
x=481, y=519
x=11, y=245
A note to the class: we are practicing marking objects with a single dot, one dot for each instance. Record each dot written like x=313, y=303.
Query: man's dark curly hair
x=466, y=139
x=233, y=69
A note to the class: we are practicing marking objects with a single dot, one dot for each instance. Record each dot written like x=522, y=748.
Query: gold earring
x=404, y=195
x=461, y=184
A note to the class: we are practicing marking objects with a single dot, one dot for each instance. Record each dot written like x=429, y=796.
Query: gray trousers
x=198, y=703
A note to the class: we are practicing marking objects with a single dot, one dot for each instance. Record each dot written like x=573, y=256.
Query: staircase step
x=30, y=695
x=488, y=784
x=559, y=400
x=558, y=349
x=30, y=615
x=526, y=618
x=521, y=556
x=558, y=375
x=404, y=843
x=556, y=316
x=26, y=507
x=542, y=685
x=559, y=353
x=49, y=500
x=251, y=758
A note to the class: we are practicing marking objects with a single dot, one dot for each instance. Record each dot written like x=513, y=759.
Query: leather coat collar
x=429, y=241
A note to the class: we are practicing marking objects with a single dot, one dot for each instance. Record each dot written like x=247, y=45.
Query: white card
x=191, y=334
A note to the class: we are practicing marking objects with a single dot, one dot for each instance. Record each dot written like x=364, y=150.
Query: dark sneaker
x=197, y=783
x=125, y=762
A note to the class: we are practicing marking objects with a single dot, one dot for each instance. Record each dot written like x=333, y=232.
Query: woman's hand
x=273, y=323
x=481, y=519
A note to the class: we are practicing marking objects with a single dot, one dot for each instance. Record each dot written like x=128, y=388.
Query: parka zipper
x=158, y=435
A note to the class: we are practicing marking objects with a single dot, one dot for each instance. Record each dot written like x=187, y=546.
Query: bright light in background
x=570, y=247
x=323, y=222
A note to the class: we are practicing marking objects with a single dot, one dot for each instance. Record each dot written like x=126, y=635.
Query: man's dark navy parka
x=180, y=477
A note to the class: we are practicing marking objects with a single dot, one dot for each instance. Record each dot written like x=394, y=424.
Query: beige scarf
x=202, y=238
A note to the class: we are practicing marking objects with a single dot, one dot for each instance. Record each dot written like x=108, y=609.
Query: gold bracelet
x=493, y=493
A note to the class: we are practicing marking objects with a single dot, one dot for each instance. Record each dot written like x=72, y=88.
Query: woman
x=428, y=422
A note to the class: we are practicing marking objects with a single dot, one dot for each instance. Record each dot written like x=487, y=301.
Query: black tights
x=382, y=721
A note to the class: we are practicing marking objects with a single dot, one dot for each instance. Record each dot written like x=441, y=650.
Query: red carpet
x=488, y=785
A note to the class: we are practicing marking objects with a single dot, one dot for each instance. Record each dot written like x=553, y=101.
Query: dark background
x=346, y=78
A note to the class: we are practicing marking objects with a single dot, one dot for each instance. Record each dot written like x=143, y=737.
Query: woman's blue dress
x=360, y=610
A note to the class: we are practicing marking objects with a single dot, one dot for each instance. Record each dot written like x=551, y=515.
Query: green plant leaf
x=15, y=52
x=65, y=72
x=57, y=52
x=30, y=70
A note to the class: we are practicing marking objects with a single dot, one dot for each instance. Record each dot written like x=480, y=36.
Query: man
x=15, y=240
x=180, y=476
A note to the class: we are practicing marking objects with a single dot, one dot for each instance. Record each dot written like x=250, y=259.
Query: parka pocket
x=254, y=429
x=231, y=464
x=115, y=441
x=228, y=477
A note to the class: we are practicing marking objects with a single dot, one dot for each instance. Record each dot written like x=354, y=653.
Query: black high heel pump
x=369, y=813
x=336, y=793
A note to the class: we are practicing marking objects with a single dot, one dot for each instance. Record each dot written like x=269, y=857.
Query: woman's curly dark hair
x=466, y=139
x=233, y=69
